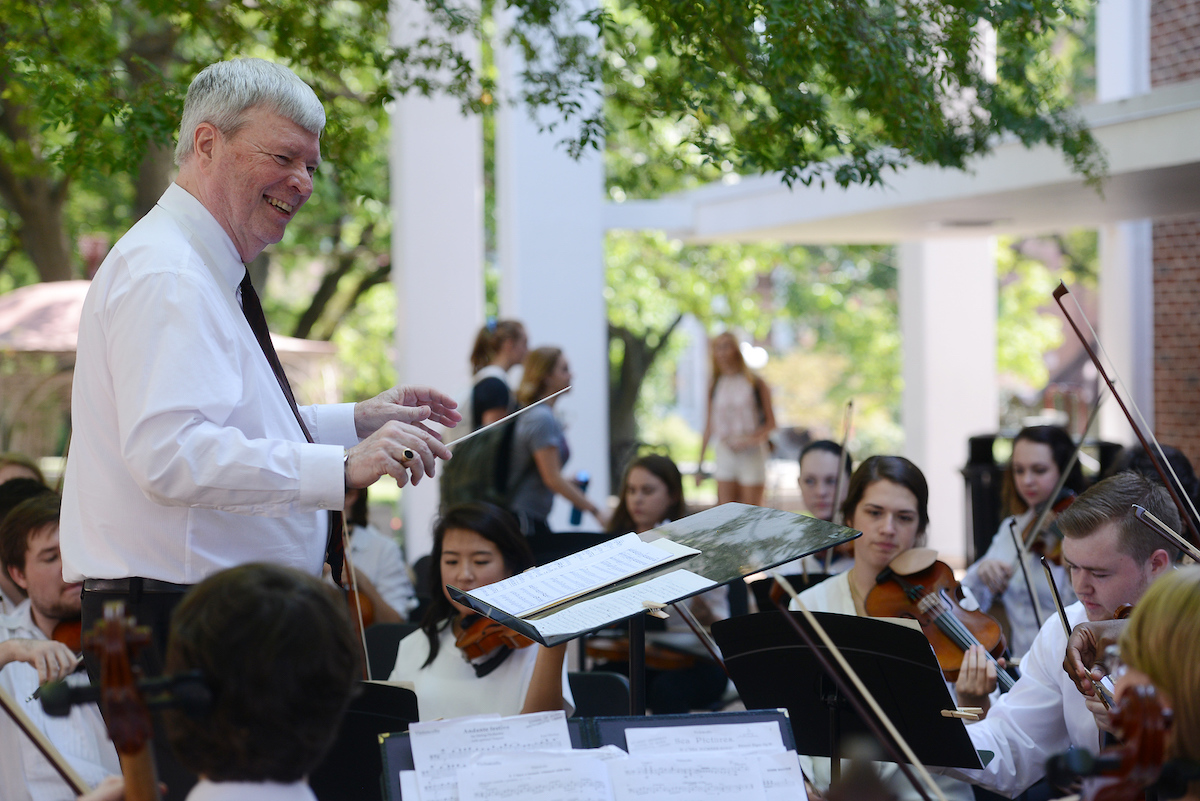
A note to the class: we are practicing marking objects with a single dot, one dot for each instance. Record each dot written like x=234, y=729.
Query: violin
x=916, y=585
x=69, y=633
x=658, y=657
x=1042, y=536
x=480, y=636
x=1124, y=771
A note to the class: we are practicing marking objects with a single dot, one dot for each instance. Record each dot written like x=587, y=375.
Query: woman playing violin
x=1039, y=455
x=463, y=664
x=888, y=501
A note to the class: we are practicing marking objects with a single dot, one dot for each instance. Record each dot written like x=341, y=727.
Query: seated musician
x=276, y=648
x=1112, y=559
x=1160, y=646
x=888, y=500
x=461, y=663
x=1040, y=453
x=680, y=676
x=28, y=657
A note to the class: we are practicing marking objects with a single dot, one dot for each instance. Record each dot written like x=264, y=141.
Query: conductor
x=189, y=454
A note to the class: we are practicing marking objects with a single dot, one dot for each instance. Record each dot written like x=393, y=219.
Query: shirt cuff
x=322, y=476
x=335, y=424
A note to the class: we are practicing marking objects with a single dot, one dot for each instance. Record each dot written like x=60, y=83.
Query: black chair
x=353, y=768
x=599, y=694
x=383, y=640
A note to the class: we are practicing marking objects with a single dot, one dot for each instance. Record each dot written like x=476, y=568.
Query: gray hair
x=223, y=92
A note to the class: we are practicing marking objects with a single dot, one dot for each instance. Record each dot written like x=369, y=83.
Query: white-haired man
x=189, y=454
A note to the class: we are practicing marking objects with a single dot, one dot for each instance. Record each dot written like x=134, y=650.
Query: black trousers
x=152, y=609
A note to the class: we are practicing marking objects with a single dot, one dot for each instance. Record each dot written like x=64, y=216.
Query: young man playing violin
x=29, y=657
x=1112, y=559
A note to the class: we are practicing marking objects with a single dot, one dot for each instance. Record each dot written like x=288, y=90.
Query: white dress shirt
x=1042, y=715
x=380, y=560
x=80, y=736
x=250, y=791
x=185, y=456
x=833, y=595
x=1022, y=617
x=449, y=688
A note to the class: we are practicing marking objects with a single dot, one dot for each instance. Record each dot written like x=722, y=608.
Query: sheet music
x=761, y=737
x=441, y=748
x=687, y=778
x=577, y=776
x=782, y=778
x=598, y=612
x=577, y=574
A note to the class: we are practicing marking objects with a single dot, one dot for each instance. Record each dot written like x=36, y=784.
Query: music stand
x=353, y=768
x=735, y=540
x=772, y=668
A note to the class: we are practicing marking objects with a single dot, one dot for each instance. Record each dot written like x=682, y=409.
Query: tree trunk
x=625, y=385
x=153, y=177
x=38, y=202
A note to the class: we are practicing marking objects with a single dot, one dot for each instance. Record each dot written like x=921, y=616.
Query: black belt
x=133, y=585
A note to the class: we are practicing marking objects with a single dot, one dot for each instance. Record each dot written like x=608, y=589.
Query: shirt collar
x=261, y=791
x=208, y=237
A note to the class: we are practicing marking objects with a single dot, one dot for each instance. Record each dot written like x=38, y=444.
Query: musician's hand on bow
x=1101, y=713
x=976, y=679
x=404, y=452
x=412, y=405
x=995, y=573
x=1084, y=648
x=52, y=660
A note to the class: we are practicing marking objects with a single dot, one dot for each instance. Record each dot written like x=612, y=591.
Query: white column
x=1126, y=324
x=437, y=253
x=551, y=251
x=948, y=324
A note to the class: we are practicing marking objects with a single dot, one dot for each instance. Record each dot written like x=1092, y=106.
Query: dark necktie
x=252, y=308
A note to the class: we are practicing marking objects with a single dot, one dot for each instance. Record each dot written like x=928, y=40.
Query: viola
x=1121, y=772
x=480, y=636
x=114, y=640
x=916, y=585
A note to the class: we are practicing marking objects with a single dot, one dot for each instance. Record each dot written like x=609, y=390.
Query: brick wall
x=1175, y=57
x=1174, y=41
x=1177, y=334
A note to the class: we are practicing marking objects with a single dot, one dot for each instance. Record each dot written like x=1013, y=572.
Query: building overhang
x=1151, y=142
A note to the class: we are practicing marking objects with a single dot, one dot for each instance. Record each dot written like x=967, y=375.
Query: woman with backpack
x=539, y=448
x=740, y=421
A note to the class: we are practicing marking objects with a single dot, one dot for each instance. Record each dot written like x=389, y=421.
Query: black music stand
x=353, y=768
x=772, y=668
x=735, y=540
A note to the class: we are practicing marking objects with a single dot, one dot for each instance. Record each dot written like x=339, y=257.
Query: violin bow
x=1063, y=476
x=1161, y=528
x=701, y=634
x=835, y=514
x=362, y=629
x=58, y=761
x=874, y=717
x=1159, y=465
x=1101, y=693
x=1022, y=556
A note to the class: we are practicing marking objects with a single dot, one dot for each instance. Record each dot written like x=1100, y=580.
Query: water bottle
x=582, y=479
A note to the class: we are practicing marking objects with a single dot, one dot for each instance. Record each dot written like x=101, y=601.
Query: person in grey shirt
x=540, y=448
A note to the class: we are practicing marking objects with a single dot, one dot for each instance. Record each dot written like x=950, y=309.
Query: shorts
x=746, y=467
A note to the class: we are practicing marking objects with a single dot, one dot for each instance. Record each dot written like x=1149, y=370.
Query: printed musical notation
x=578, y=574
